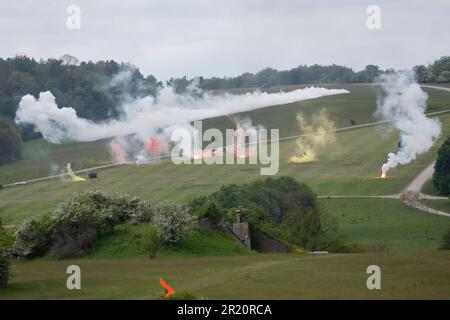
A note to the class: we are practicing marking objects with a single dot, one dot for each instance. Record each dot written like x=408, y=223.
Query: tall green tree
x=10, y=141
x=5, y=243
x=441, y=176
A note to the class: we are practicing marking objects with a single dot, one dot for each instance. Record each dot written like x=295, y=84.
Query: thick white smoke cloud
x=144, y=116
x=404, y=103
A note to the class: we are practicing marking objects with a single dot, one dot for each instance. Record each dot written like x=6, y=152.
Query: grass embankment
x=430, y=189
x=126, y=242
x=118, y=267
x=264, y=276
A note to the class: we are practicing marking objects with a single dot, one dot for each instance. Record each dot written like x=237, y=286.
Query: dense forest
x=97, y=89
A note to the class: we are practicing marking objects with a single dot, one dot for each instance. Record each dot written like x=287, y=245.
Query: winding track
x=415, y=185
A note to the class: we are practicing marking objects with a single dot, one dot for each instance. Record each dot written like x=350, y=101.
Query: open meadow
x=407, y=239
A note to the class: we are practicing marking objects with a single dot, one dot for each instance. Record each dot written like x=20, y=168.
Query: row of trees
x=94, y=89
x=271, y=77
x=438, y=71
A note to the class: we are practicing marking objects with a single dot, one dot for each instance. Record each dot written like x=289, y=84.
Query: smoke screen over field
x=147, y=117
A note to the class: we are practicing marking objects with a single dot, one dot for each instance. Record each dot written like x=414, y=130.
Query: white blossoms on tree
x=172, y=221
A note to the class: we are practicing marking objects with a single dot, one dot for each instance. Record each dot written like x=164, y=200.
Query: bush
x=92, y=208
x=5, y=242
x=307, y=227
x=33, y=238
x=274, y=196
x=445, y=245
x=172, y=221
x=198, y=203
x=123, y=207
x=5, y=267
x=71, y=240
x=6, y=238
x=151, y=241
x=76, y=224
x=211, y=211
x=143, y=212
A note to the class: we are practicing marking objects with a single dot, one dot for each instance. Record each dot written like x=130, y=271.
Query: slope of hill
x=348, y=168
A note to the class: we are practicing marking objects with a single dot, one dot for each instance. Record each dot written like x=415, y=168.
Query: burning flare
x=157, y=147
x=404, y=104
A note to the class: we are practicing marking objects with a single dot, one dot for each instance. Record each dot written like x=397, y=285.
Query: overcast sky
x=228, y=37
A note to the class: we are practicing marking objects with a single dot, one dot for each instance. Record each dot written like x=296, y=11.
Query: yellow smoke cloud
x=72, y=175
x=317, y=133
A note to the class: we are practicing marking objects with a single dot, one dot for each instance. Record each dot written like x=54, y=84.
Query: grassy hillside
x=443, y=205
x=41, y=158
x=211, y=263
x=126, y=242
x=350, y=167
x=264, y=276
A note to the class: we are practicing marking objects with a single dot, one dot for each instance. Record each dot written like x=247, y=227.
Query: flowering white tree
x=172, y=221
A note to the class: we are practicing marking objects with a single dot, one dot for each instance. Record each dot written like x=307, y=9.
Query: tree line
x=94, y=89
x=438, y=71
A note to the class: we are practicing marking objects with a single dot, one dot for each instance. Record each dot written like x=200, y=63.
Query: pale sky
x=226, y=38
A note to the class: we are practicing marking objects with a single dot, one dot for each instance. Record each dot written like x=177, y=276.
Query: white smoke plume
x=148, y=116
x=403, y=103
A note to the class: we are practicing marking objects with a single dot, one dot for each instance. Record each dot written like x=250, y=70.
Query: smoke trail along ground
x=145, y=117
x=317, y=133
x=404, y=103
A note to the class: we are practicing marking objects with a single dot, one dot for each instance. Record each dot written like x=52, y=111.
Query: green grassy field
x=386, y=223
x=118, y=268
x=348, y=168
x=263, y=276
x=351, y=169
x=430, y=189
x=443, y=205
x=41, y=159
